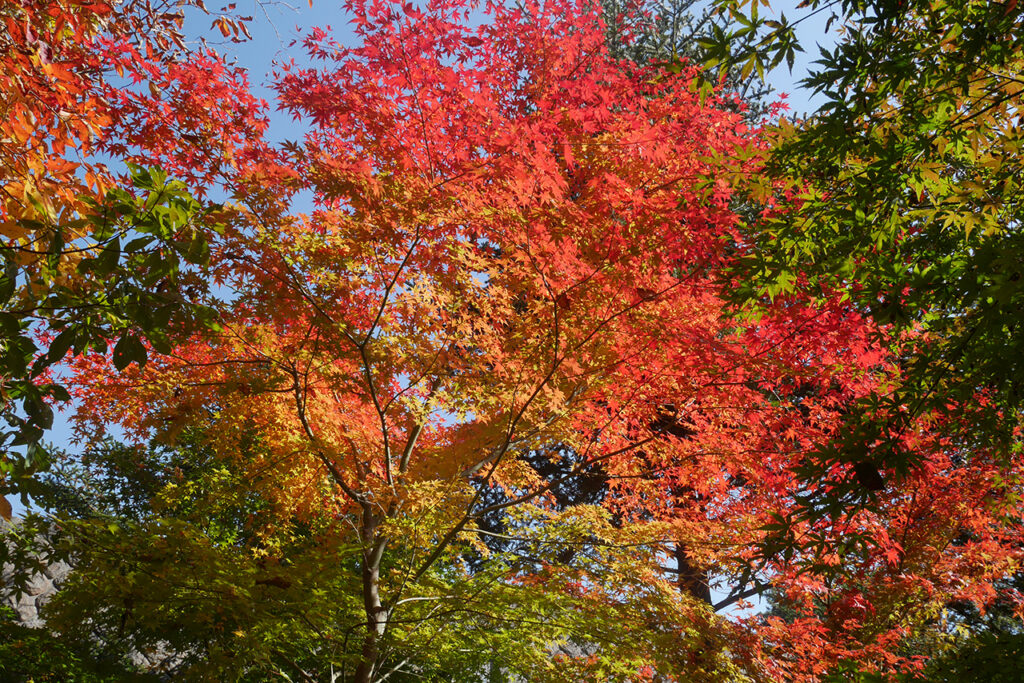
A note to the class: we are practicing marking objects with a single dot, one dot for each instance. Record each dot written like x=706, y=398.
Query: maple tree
x=510, y=294
x=905, y=198
x=902, y=196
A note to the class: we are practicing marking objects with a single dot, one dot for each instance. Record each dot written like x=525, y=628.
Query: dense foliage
x=490, y=407
x=902, y=195
x=92, y=259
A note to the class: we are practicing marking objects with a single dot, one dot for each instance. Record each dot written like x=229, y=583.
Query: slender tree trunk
x=376, y=614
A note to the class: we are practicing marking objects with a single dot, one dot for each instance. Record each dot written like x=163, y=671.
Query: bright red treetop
x=516, y=255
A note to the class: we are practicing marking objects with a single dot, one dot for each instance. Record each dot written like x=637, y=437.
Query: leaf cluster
x=123, y=275
x=901, y=196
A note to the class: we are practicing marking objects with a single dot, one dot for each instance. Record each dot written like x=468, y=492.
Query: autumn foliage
x=516, y=260
x=96, y=254
x=82, y=78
